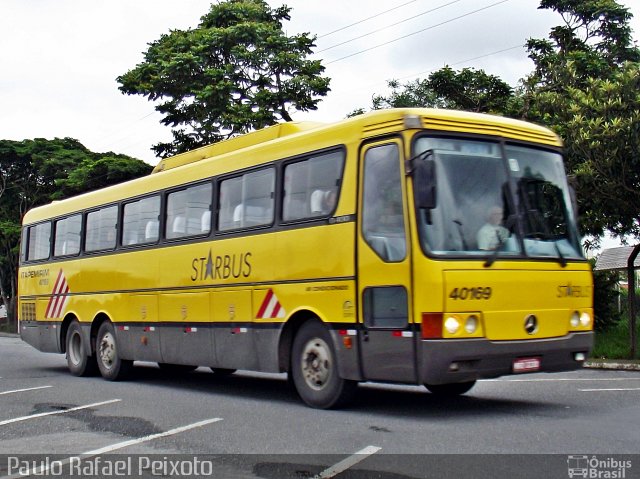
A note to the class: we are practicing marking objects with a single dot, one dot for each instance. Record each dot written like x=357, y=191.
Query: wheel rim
x=316, y=363
x=75, y=348
x=107, y=350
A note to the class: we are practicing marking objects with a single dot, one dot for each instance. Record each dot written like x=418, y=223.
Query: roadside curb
x=619, y=365
x=9, y=335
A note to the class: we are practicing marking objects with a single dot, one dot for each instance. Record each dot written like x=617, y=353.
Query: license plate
x=526, y=365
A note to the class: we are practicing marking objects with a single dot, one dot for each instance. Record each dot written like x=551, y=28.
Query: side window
x=311, y=186
x=101, y=229
x=247, y=200
x=189, y=212
x=383, y=218
x=39, y=242
x=140, y=221
x=67, y=236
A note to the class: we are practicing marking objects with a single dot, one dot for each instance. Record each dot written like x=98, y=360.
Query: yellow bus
x=416, y=246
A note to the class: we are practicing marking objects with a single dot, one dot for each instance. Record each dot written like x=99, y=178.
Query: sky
x=59, y=59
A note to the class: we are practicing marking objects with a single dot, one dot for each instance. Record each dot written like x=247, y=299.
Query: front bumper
x=482, y=358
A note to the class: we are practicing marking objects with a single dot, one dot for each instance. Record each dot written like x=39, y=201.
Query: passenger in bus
x=323, y=201
x=492, y=234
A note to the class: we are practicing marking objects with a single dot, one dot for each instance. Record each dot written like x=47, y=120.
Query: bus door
x=387, y=342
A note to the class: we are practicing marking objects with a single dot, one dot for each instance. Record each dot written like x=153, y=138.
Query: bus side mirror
x=424, y=184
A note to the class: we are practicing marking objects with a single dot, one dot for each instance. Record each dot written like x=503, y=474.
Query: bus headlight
x=471, y=324
x=575, y=319
x=452, y=325
x=585, y=319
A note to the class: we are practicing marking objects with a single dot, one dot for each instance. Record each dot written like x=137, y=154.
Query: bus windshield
x=497, y=200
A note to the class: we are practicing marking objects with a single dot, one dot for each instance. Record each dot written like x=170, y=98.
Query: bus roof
x=237, y=143
x=290, y=139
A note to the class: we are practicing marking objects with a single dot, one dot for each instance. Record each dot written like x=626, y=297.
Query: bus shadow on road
x=401, y=401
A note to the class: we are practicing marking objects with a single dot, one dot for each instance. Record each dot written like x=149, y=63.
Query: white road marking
x=611, y=389
x=556, y=379
x=120, y=445
x=348, y=462
x=151, y=437
x=62, y=411
x=23, y=390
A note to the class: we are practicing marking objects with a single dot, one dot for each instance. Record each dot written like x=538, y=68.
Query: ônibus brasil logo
x=597, y=468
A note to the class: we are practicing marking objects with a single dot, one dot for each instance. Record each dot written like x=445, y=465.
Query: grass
x=614, y=343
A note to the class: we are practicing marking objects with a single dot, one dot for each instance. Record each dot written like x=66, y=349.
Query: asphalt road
x=253, y=425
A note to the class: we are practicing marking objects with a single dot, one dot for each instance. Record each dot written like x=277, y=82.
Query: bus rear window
x=39, y=242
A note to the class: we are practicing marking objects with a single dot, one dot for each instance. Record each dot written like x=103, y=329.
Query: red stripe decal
x=265, y=303
x=53, y=295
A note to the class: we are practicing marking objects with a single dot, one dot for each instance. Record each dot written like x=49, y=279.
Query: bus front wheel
x=449, y=390
x=111, y=365
x=314, y=369
x=78, y=362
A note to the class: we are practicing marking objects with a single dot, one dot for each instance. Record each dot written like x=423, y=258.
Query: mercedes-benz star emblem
x=531, y=324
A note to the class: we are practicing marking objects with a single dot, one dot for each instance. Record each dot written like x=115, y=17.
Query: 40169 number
x=471, y=293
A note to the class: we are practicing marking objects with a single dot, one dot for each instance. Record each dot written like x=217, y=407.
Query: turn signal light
x=432, y=325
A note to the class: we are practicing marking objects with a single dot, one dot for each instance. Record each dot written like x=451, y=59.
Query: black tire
x=222, y=372
x=176, y=368
x=450, y=390
x=79, y=360
x=111, y=365
x=314, y=369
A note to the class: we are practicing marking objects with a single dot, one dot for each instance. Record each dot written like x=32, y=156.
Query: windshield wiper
x=537, y=236
x=561, y=259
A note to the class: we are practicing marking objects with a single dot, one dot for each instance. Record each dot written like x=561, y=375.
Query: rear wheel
x=78, y=361
x=449, y=390
x=314, y=369
x=111, y=365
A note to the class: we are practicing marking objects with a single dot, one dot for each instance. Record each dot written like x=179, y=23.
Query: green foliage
x=585, y=86
x=601, y=127
x=468, y=89
x=614, y=342
x=99, y=171
x=236, y=71
x=35, y=172
x=594, y=40
x=605, y=299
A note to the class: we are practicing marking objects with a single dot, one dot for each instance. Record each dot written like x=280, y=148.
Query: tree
x=236, y=71
x=468, y=89
x=99, y=171
x=594, y=42
x=585, y=87
x=600, y=124
x=35, y=172
x=605, y=299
